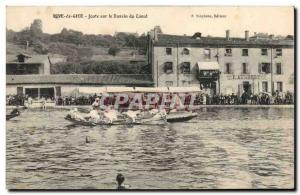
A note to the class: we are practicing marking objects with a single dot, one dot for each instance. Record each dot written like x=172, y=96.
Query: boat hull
x=118, y=122
x=180, y=117
x=10, y=116
x=172, y=117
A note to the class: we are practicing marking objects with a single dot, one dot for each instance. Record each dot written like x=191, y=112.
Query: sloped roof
x=82, y=79
x=208, y=65
x=32, y=59
x=173, y=40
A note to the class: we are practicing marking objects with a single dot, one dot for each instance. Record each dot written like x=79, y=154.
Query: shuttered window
x=264, y=86
x=279, y=86
x=264, y=52
x=245, y=68
x=185, y=67
x=228, y=68
x=19, y=90
x=168, y=67
x=264, y=68
x=58, y=90
x=169, y=51
x=244, y=52
x=278, y=52
x=278, y=68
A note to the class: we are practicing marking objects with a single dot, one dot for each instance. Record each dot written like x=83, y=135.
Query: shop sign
x=245, y=77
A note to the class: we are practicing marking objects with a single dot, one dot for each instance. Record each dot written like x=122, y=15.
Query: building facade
x=30, y=76
x=223, y=65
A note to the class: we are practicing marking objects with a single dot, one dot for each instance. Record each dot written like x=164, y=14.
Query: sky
x=172, y=20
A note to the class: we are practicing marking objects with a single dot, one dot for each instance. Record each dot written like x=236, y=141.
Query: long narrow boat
x=180, y=116
x=171, y=117
x=116, y=122
x=12, y=115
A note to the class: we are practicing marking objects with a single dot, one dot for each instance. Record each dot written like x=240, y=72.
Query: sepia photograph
x=150, y=98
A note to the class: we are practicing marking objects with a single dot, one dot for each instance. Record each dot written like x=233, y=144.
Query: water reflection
x=222, y=148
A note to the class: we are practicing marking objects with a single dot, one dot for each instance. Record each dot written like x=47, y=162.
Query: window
x=228, y=52
x=209, y=73
x=20, y=91
x=169, y=83
x=228, y=68
x=21, y=58
x=186, y=67
x=278, y=68
x=58, y=90
x=278, y=52
x=264, y=52
x=47, y=92
x=169, y=51
x=186, y=51
x=185, y=83
x=245, y=52
x=279, y=86
x=264, y=86
x=22, y=69
x=264, y=68
x=245, y=68
x=32, y=92
x=168, y=67
x=207, y=53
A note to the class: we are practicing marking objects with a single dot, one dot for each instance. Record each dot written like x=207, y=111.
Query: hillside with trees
x=85, y=53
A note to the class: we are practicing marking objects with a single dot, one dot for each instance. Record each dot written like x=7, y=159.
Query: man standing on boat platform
x=96, y=104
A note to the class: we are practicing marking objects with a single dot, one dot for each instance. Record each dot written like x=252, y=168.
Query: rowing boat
x=180, y=116
x=12, y=115
x=116, y=122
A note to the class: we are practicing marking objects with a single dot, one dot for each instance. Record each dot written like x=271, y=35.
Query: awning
x=151, y=89
x=184, y=89
x=119, y=89
x=208, y=65
x=92, y=90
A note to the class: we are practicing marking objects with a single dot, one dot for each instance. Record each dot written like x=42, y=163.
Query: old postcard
x=144, y=98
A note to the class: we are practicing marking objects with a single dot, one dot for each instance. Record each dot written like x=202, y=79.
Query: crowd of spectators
x=202, y=99
x=245, y=98
x=70, y=100
x=15, y=100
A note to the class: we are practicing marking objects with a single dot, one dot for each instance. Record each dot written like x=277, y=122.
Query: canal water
x=222, y=148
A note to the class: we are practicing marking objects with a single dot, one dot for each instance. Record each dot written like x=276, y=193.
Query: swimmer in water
x=120, y=179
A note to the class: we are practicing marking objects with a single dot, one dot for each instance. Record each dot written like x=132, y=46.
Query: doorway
x=210, y=86
x=247, y=87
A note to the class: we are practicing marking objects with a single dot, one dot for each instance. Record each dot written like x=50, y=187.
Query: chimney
x=247, y=35
x=155, y=34
x=227, y=35
x=27, y=45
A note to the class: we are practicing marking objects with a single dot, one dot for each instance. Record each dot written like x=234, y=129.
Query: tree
x=36, y=28
x=70, y=36
x=131, y=41
x=158, y=29
x=10, y=35
x=113, y=51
